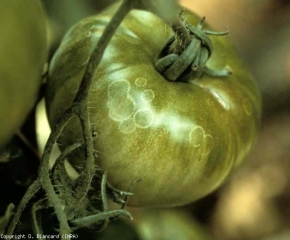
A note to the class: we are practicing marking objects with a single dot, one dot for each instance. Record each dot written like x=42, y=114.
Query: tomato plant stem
x=32, y=189
x=44, y=175
x=83, y=92
x=58, y=171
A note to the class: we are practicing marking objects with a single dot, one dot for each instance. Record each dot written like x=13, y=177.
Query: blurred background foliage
x=254, y=204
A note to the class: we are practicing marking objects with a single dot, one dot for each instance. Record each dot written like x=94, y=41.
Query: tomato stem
x=31, y=191
x=185, y=59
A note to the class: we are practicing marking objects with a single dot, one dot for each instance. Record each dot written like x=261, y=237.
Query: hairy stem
x=44, y=172
x=60, y=176
x=89, y=220
x=31, y=191
x=82, y=95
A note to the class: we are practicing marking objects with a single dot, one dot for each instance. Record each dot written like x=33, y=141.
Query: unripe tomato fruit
x=23, y=52
x=182, y=139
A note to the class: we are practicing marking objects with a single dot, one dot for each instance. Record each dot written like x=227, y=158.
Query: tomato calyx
x=185, y=61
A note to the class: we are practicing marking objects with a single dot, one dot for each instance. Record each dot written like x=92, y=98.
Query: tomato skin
x=23, y=53
x=182, y=139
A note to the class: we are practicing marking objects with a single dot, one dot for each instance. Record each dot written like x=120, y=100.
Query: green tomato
x=182, y=139
x=23, y=52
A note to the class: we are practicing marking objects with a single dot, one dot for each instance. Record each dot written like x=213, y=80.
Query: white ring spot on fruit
x=127, y=126
x=141, y=82
x=208, y=144
x=121, y=105
x=121, y=109
x=119, y=88
x=201, y=140
x=196, y=136
x=247, y=107
x=148, y=95
x=143, y=118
